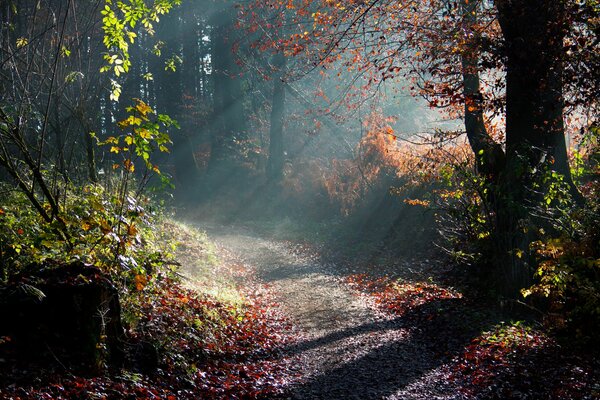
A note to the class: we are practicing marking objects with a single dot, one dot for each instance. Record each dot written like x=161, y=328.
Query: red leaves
x=399, y=298
x=228, y=351
x=517, y=361
x=208, y=350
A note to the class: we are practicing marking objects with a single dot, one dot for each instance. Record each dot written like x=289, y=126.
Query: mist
x=281, y=142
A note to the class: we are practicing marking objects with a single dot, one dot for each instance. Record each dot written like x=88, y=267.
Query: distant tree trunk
x=183, y=149
x=91, y=157
x=59, y=131
x=229, y=121
x=170, y=97
x=276, y=157
x=191, y=57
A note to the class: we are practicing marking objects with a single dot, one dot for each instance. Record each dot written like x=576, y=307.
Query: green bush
x=111, y=231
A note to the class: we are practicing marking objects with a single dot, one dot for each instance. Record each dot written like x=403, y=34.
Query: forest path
x=344, y=349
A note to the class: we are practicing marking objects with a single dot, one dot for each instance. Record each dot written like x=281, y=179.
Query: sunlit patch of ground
x=396, y=296
x=199, y=264
x=505, y=361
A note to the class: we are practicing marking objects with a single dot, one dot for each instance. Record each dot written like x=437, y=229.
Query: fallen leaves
x=398, y=297
x=509, y=361
x=207, y=349
x=515, y=361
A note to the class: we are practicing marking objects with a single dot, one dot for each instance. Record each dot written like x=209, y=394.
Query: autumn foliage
x=205, y=349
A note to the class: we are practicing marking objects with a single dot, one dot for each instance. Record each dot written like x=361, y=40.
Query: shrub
x=105, y=230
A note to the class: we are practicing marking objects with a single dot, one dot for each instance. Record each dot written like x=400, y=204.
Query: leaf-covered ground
x=262, y=318
x=206, y=347
x=508, y=361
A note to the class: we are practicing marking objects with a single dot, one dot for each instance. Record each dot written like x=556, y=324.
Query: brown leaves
x=514, y=360
x=228, y=351
x=209, y=350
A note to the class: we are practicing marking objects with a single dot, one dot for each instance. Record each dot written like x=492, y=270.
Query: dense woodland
x=439, y=160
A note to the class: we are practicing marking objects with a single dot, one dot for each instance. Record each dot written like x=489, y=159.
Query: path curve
x=345, y=349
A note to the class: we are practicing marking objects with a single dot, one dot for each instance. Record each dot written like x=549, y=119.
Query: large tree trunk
x=533, y=31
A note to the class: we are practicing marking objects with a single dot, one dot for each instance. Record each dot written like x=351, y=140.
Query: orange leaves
x=417, y=202
x=129, y=165
x=140, y=282
x=238, y=345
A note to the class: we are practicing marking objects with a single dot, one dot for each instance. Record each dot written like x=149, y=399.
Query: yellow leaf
x=22, y=42
x=145, y=133
x=115, y=149
x=143, y=108
x=519, y=253
x=129, y=140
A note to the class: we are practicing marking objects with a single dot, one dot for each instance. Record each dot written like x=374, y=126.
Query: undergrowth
x=214, y=341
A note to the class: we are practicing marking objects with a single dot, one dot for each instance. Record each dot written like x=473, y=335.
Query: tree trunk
x=533, y=31
x=276, y=157
x=229, y=122
x=489, y=155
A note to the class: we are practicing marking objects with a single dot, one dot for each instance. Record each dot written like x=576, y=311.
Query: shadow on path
x=347, y=350
x=421, y=341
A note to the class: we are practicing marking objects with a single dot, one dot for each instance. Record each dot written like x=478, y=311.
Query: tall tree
x=445, y=48
x=229, y=116
x=276, y=151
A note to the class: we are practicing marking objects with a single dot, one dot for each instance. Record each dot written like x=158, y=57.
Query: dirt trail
x=345, y=349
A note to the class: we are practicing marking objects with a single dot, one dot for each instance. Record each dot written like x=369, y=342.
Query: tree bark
x=489, y=155
x=533, y=32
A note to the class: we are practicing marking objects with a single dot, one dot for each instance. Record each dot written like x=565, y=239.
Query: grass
x=200, y=266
